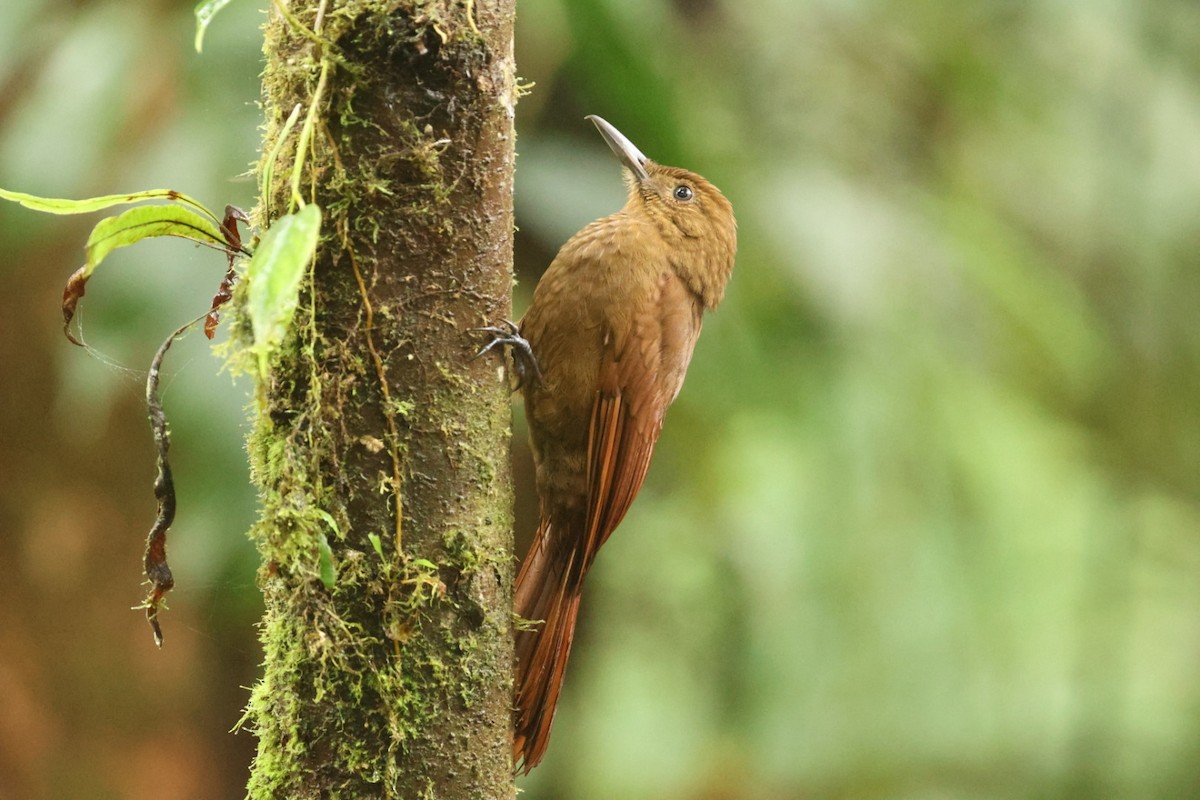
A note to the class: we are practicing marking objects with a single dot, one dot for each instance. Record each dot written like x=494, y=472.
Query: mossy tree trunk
x=381, y=447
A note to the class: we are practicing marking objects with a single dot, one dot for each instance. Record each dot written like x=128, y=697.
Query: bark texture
x=388, y=634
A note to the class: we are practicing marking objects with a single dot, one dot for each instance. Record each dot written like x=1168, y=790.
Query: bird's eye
x=683, y=192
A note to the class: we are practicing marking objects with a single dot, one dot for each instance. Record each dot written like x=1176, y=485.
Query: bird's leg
x=523, y=359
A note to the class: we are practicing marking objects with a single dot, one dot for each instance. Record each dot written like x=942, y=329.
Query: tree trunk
x=381, y=450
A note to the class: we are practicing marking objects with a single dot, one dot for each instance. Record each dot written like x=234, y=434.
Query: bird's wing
x=619, y=450
x=638, y=379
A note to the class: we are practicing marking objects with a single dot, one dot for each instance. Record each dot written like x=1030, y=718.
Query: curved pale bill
x=623, y=148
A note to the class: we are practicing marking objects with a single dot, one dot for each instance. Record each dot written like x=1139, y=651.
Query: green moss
x=361, y=676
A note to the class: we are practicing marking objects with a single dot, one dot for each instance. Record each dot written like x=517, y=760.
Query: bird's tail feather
x=547, y=589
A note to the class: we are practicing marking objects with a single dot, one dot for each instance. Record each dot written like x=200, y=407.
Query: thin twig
x=155, y=560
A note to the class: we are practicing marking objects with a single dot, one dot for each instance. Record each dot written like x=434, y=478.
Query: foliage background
x=925, y=521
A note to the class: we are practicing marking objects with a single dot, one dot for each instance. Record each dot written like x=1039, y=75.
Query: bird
x=600, y=355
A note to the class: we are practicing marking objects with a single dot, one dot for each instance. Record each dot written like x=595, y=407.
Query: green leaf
x=376, y=542
x=144, y=222
x=52, y=205
x=330, y=521
x=325, y=552
x=204, y=15
x=274, y=276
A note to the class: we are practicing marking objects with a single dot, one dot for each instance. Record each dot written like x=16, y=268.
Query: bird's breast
x=610, y=295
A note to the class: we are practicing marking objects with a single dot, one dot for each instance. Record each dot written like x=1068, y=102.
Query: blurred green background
x=925, y=520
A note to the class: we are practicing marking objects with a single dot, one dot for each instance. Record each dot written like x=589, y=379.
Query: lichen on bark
x=392, y=679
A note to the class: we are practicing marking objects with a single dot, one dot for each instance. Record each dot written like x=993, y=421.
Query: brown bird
x=602, y=353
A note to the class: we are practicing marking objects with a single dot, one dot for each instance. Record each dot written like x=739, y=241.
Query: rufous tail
x=547, y=589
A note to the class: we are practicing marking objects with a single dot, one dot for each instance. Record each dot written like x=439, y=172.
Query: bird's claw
x=501, y=336
x=523, y=359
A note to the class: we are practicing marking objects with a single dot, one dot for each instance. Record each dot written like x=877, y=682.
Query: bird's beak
x=624, y=149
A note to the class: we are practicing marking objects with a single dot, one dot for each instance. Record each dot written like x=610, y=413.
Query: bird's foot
x=524, y=362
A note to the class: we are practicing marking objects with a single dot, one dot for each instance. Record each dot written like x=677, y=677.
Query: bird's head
x=694, y=218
